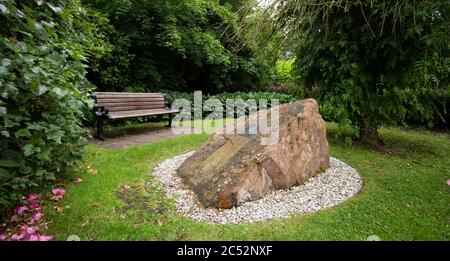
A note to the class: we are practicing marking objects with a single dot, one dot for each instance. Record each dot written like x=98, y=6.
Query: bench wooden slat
x=137, y=95
x=100, y=95
x=137, y=108
x=130, y=100
x=132, y=114
x=124, y=104
x=127, y=96
x=132, y=93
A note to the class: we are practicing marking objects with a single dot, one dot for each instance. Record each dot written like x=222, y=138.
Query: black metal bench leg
x=170, y=121
x=100, y=129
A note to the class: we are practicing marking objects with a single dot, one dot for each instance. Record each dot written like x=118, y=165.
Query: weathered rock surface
x=230, y=169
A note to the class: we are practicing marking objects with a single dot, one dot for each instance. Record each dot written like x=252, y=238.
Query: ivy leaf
x=4, y=9
x=35, y=69
x=56, y=136
x=28, y=149
x=9, y=163
x=45, y=153
x=50, y=176
x=3, y=70
x=55, y=9
x=42, y=89
x=59, y=92
x=6, y=62
x=23, y=133
x=35, y=126
x=5, y=133
x=4, y=173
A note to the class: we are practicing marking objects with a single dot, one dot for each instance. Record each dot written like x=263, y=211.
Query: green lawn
x=405, y=196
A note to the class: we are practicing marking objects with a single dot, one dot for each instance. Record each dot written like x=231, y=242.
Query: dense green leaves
x=43, y=89
x=180, y=45
x=223, y=97
x=369, y=62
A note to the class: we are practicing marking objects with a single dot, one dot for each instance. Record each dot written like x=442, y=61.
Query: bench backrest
x=128, y=101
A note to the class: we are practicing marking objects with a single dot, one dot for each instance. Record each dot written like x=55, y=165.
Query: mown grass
x=405, y=196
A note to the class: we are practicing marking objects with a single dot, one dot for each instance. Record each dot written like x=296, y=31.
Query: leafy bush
x=43, y=90
x=178, y=45
x=283, y=98
x=369, y=63
x=284, y=70
x=222, y=97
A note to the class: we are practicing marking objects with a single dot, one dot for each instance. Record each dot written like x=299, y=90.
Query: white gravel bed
x=336, y=185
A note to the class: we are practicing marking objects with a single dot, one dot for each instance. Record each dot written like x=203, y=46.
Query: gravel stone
x=337, y=184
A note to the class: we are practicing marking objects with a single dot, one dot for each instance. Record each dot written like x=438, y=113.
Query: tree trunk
x=368, y=135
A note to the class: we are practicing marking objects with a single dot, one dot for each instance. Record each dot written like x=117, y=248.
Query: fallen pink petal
x=29, y=230
x=57, y=198
x=27, y=233
x=36, y=217
x=19, y=235
x=34, y=238
x=35, y=205
x=40, y=238
x=77, y=180
x=21, y=209
x=44, y=238
x=58, y=192
x=33, y=197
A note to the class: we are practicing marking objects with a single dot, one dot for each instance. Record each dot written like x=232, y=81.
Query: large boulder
x=230, y=169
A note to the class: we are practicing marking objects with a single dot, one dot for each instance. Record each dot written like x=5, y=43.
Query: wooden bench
x=122, y=105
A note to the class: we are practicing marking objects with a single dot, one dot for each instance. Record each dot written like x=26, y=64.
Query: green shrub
x=284, y=70
x=43, y=91
x=222, y=97
x=179, y=45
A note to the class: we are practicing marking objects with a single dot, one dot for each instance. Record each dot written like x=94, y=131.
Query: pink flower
x=20, y=210
x=45, y=238
x=34, y=238
x=2, y=237
x=29, y=230
x=40, y=238
x=14, y=38
x=18, y=236
x=35, y=205
x=57, y=198
x=24, y=233
x=36, y=217
x=448, y=182
x=58, y=192
x=77, y=180
x=33, y=197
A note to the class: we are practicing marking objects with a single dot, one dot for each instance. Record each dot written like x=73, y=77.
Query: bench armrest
x=101, y=111
x=166, y=102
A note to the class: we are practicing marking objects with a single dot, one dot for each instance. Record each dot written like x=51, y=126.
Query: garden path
x=132, y=139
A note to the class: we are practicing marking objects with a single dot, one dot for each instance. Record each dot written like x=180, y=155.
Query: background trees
x=179, y=45
x=369, y=62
